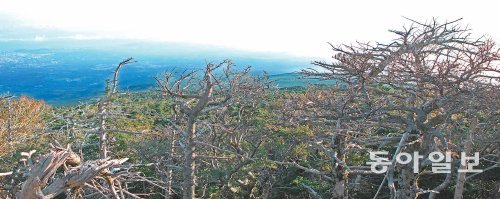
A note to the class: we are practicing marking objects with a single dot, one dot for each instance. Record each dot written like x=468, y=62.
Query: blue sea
x=76, y=71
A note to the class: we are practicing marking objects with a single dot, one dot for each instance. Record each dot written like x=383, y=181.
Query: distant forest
x=219, y=132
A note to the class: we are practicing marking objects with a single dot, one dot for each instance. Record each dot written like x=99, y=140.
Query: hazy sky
x=295, y=27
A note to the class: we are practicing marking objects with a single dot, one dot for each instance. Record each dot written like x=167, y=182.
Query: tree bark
x=35, y=187
x=467, y=149
x=103, y=140
x=169, y=171
x=340, y=175
x=406, y=183
x=189, y=160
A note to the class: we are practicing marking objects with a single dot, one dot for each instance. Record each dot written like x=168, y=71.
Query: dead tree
x=196, y=94
x=76, y=174
x=332, y=113
x=430, y=74
x=102, y=108
x=112, y=184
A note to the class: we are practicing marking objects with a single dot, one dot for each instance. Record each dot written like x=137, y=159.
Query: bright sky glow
x=295, y=27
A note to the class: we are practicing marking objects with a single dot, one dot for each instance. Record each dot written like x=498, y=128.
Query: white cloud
x=84, y=37
x=40, y=38
x=296, y=27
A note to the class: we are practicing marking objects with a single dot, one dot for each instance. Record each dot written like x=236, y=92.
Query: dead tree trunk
x=189, y=158
x=37, y=187
x=338, y=161
x=168, y=173
x=467, y=149
x=103, y=140
x=102, y=106
x=194, y=95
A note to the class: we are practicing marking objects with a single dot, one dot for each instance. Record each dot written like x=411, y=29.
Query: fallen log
x=76, y=173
